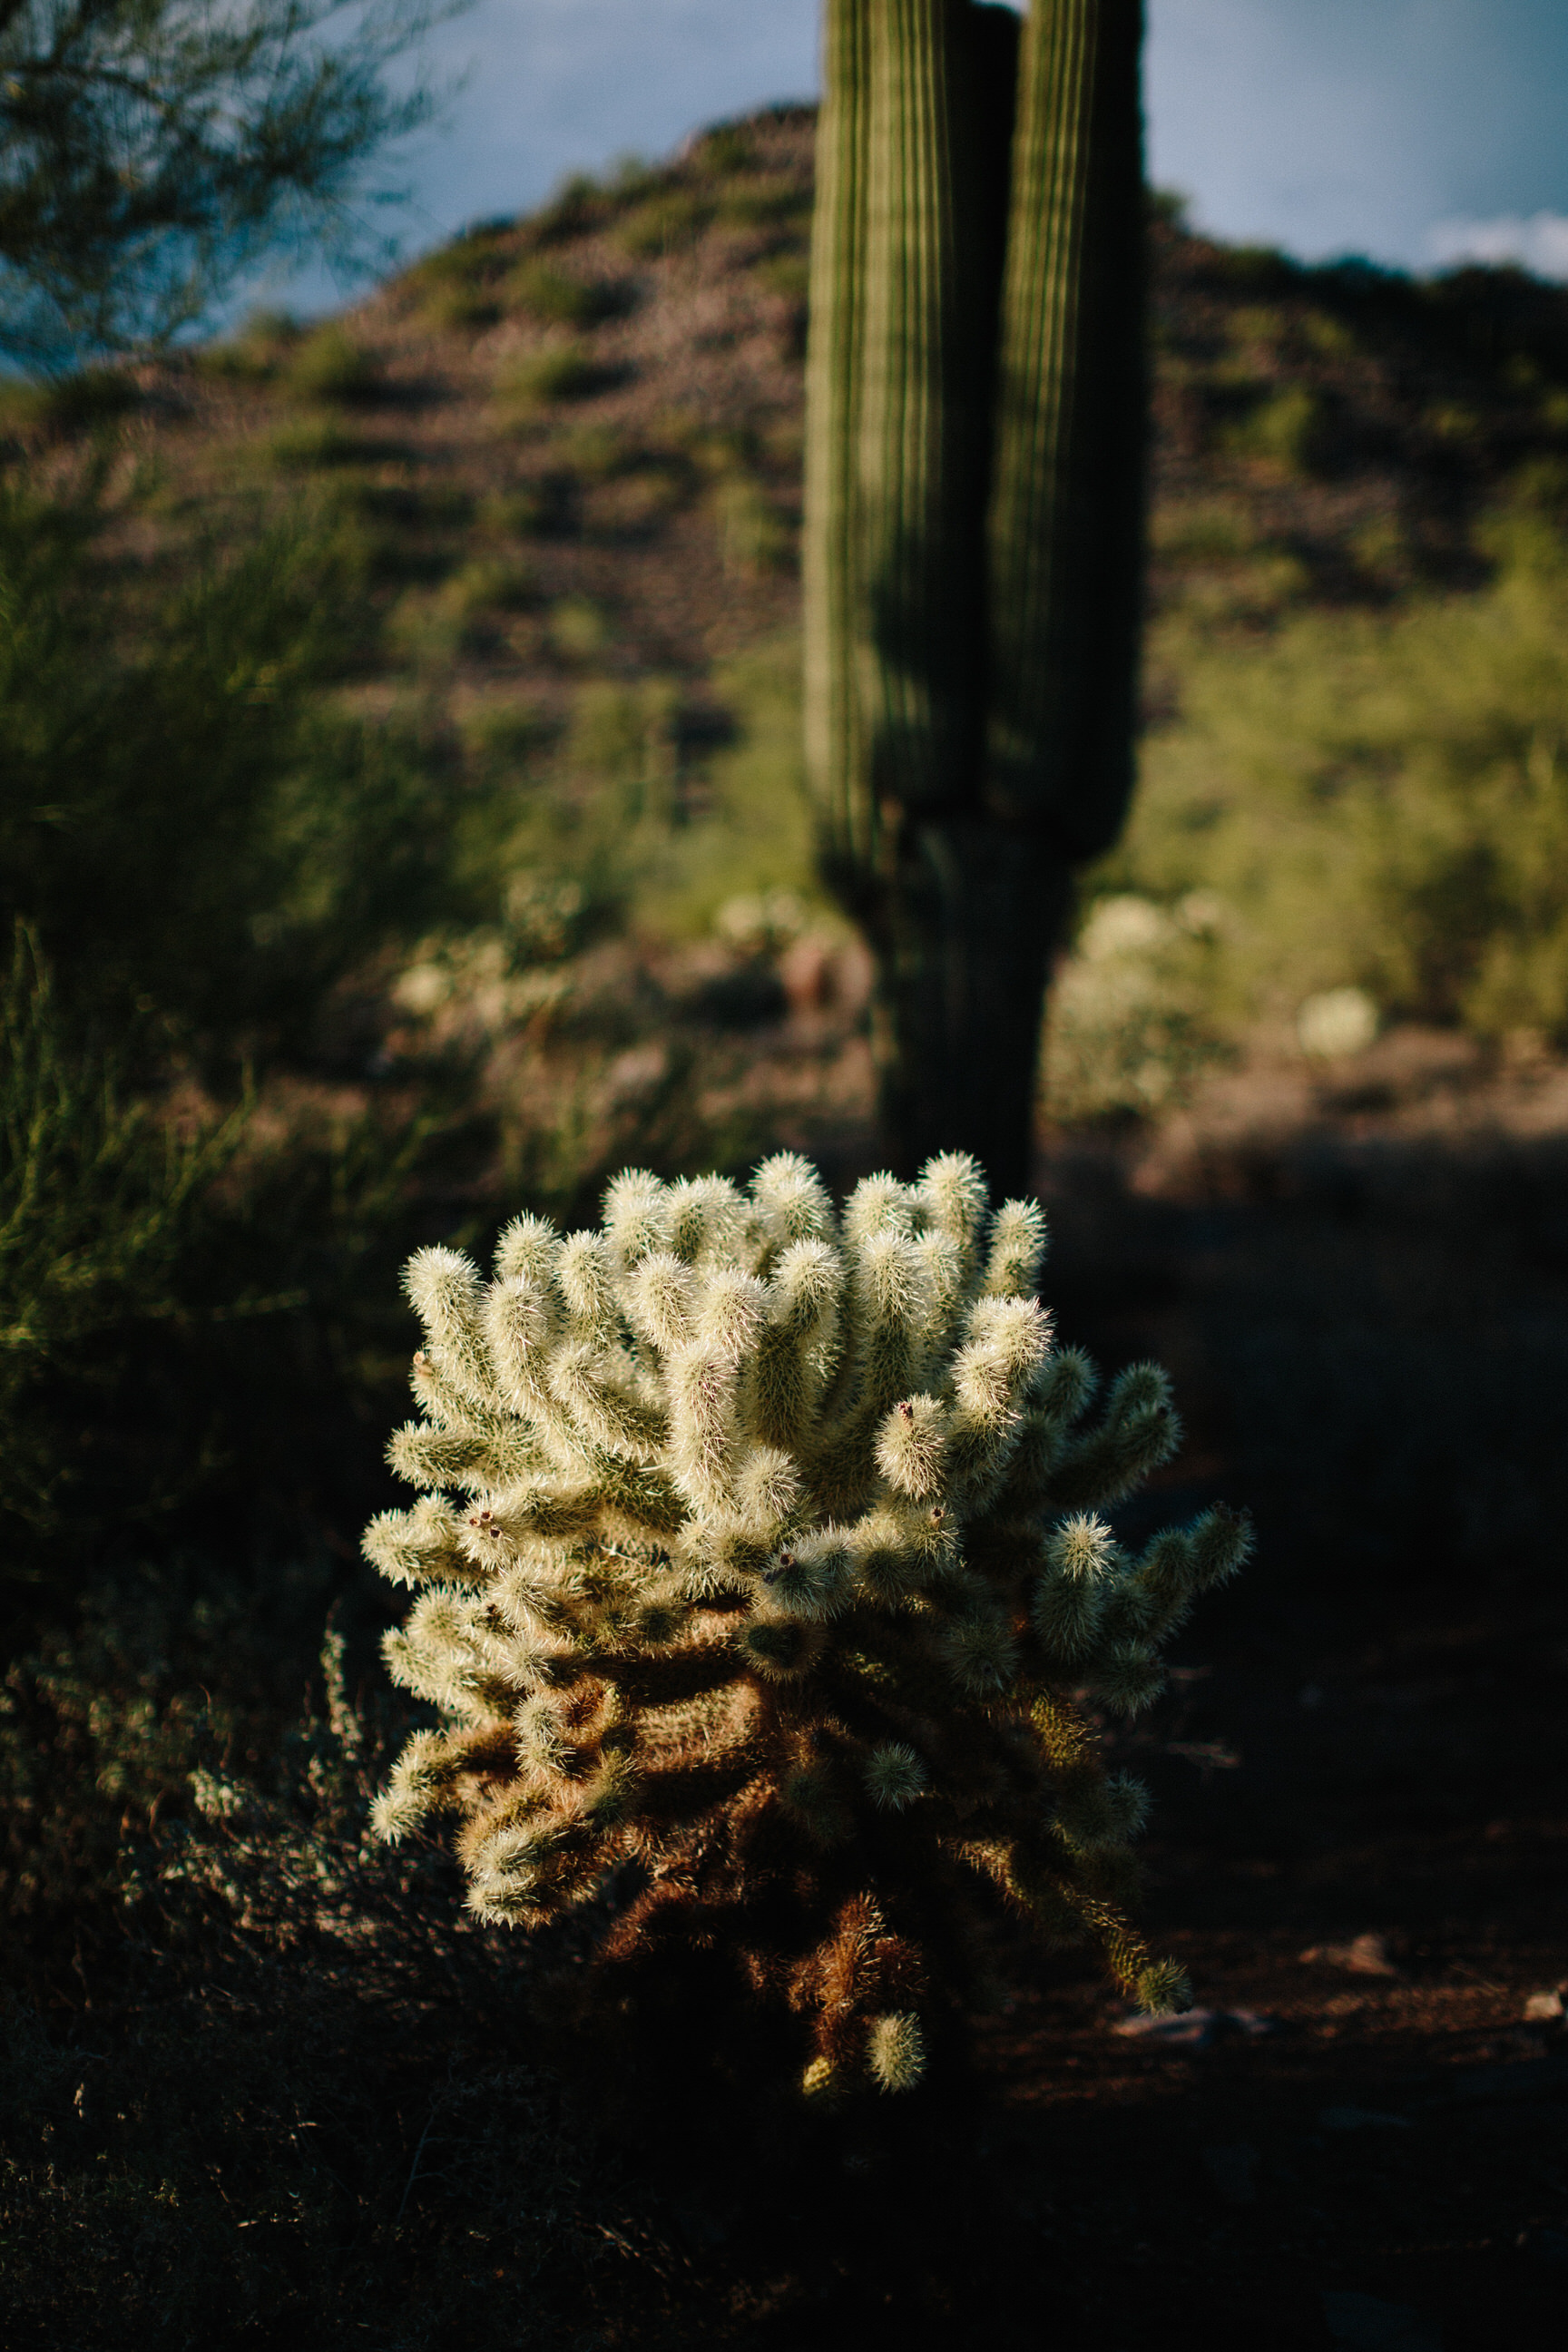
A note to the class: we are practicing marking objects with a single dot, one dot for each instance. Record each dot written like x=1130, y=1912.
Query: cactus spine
x=757, y=1565
x=974, y=520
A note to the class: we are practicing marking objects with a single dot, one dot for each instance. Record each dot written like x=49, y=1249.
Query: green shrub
x=96, y=1211
x=457, y=285
x=254, y=355
x=787, y=275
x=425, y=625
x=331, y=366
x=757, y=1567
x=564, y=374
x=578, y=206
x=1288, y=429
x=595, y=453
x=754, y=537
x=558, y=299
x=506, y=730
x=522, y=512
x=314, y=442
x=1202, y=530
x=767, y=203
x=442, y=505
x=727, y=149
x=493, y=584
x=461, y=308
x=1130, y=1021
x=580, y=630
x=668, y=223
x=183, y=821
x=437, y=623
x=1379, y=800
x=738, y=796
x=624, y=737
x=636, y=501
x=187, y=1299
x=68, y=404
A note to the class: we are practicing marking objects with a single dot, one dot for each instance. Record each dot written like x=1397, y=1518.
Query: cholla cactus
x=758, y=1561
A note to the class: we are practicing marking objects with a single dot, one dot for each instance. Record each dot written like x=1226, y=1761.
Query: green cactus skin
x=1068, y=487
x=757, y=1567
x=898, y=394
x=922, y=420
x=829, y=568
x=975, y=352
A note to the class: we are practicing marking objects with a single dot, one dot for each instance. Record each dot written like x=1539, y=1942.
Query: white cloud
x=1538, y=240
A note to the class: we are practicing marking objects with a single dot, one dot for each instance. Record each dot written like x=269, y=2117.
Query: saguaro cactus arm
x=973, y=517
x=1066, y=524
x=898, y=371
x=845, y=813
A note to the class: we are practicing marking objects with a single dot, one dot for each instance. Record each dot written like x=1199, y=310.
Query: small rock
x=1541, y=2006
x=1364, y=2323
x=1194, y=2028
x=1335, y=1023
x=1363, y=1956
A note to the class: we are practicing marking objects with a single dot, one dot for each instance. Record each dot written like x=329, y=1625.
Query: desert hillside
x=568, y=446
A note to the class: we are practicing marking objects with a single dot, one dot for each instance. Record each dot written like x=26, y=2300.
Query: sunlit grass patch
x=71, y=403
x=333, y=366
x=579, y=629
x=547, y=379
x=558, y=298
x=311, y=442
x=1381, y=799
x=670, y=221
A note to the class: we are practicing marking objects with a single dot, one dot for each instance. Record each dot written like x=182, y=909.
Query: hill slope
x=563, y=458
x=570, y=445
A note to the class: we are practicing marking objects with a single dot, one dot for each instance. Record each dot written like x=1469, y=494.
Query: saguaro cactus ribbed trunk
x=974, y=496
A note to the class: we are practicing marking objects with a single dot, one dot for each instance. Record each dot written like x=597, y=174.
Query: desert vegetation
x=404, y=828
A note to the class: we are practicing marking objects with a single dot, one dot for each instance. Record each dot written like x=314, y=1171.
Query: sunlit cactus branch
x=760, y=1577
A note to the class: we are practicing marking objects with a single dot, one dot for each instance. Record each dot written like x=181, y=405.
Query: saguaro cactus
x=760, y=1578
x=974, y=497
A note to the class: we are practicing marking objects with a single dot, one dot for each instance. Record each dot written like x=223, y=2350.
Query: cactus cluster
x=760, y=1585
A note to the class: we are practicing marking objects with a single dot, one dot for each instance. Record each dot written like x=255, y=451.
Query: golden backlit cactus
x=760, y=1581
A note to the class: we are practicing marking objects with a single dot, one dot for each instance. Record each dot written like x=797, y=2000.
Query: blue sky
x=1412, y=131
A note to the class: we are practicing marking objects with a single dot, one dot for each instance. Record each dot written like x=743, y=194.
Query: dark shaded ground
x=1362, y=1289
x=1366, y=1307
x=1362, y=1295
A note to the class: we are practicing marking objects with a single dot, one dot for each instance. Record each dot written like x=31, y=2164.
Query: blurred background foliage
x=1369, y=798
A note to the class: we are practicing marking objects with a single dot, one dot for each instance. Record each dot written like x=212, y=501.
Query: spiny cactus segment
x=758, y=1561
